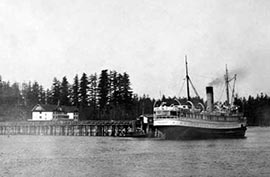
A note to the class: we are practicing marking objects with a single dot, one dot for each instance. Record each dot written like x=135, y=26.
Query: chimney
x=210, y=98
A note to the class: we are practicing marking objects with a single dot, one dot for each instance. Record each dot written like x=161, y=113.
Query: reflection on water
x=115, y=156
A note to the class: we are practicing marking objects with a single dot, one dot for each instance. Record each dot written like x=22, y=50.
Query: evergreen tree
x=93, y=93
x=42, y=95
x=103, y=88
x=75, y=92
x=119, y=95
x=114, y=88
x=113, y=95
x=127, y=93
x=83, y=96
x=1, y=90
x=35, y=93
x=49, y=97
x=56, y=91
x=64, y=92
x=24, y=91
x=30, y=93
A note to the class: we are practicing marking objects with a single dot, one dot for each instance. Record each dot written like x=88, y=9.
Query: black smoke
x=240, y=73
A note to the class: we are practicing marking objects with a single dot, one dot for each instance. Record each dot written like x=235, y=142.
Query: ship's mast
x=227, y=85
x=234, y=80
x=187, y=78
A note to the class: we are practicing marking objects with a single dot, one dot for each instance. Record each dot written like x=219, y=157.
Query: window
x=173, y=113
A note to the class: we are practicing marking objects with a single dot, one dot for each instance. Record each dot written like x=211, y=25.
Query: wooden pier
x=68, y=128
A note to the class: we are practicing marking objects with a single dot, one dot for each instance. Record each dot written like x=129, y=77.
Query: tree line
x=255, y=109
x=107, y=96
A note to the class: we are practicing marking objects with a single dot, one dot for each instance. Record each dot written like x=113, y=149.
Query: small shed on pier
x=145, y=122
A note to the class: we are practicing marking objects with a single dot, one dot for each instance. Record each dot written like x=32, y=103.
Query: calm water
x=113, y=156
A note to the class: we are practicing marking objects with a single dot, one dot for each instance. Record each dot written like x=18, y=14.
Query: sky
x=148, y=39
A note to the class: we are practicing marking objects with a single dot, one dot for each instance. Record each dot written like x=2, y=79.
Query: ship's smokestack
x=210, y=98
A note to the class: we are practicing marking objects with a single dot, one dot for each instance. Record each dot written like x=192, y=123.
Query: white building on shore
x=46, y=112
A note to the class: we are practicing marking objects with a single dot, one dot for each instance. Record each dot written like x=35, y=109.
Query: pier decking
x=68, y=128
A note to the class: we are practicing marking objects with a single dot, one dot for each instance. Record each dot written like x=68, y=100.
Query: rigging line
x=229, y=87
x=232, y=96
x=233, y=90
x=194, y=88
x=221, y=94
x=181, y=89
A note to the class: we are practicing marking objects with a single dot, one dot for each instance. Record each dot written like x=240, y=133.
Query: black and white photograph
x=134, y=88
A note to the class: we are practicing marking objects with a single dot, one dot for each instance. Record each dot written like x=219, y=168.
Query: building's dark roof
x=51, y=108
x=147, y=115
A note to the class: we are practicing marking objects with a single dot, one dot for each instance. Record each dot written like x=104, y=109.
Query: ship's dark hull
x=182, y=132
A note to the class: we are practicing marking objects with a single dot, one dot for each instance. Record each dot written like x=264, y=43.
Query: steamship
x=190, y=122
